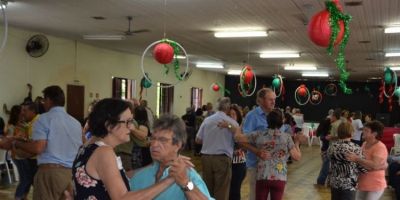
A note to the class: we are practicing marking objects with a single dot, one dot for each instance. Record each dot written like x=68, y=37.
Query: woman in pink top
x=371, y=184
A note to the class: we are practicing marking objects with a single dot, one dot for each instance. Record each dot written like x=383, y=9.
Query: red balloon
x=163, y=53
x=215, y=87
x=248, y=76
x=319, y=29
x=302, y=91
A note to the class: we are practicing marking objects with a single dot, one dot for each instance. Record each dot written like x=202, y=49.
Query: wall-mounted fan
x=123, y=35
x=37, y=45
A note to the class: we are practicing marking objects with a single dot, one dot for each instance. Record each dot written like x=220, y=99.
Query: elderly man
x=56, y=139
x=256, y=120
x=167, y=140
x=217, y=150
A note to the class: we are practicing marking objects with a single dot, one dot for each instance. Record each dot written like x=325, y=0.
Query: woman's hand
x=223, y=124
x=264, y=154
x=352, y=157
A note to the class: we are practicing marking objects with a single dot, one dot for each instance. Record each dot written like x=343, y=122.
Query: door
x=75, y=101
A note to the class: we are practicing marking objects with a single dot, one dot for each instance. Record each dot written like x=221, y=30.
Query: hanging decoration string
x=335, y=16
x=247, y=78
x=3, y=5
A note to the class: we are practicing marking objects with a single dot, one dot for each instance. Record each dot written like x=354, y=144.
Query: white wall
x=94, y=69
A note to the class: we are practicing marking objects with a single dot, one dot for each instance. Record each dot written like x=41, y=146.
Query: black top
x=85, y=186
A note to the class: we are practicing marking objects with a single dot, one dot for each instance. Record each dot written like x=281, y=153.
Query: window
x=123, y=88
x=196, y=98
x=165, y=99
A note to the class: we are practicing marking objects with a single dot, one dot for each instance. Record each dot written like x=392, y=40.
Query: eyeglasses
x=128, y=122
x=162, y=140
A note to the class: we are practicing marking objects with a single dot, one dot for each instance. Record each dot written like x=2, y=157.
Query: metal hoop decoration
x=316, y=92
x=242, y=89
x=142, y=61
x=3, y=43
x=394, y=75
x=333, y=86
x=281, y=85
x=297, y=98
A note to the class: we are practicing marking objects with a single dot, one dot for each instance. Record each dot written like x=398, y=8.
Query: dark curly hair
x=106, y=113
x=14, y=115
x=377, y=127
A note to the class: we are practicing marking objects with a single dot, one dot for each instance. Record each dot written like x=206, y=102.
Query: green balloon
x=397, y=92
x=388, y=77
x=276, y=82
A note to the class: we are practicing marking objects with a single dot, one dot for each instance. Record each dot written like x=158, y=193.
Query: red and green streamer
x=335, y=16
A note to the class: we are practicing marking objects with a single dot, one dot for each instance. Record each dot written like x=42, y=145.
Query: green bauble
x=397, y=92
x=276, y=82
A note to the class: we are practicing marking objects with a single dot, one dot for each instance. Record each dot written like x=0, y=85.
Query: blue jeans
x=27, y=169
x=323, y=173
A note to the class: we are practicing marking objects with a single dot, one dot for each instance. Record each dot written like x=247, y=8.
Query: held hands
x=223, y=124
x=6, y=143
x=178, y=171
x=263, y=154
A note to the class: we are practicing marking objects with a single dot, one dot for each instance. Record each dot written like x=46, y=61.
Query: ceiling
x=192, y=22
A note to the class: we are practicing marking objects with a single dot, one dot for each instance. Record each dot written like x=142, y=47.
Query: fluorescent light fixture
x=210, y=65
x=279, y=55
x=104, y=37
x=230, y=34
x=392, y=54
x=300, y=67
x=397, y=68
x=181, y=57
x=395, y=29
x=234, y=72
x=315, y=74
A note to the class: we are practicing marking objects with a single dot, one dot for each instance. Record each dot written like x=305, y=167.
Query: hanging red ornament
x=319, y=29
x=215, y=87
x=248, y=75
x=302, y=91
x=163, y=53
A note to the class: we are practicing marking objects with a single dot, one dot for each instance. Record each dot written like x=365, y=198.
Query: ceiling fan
x=129, y=32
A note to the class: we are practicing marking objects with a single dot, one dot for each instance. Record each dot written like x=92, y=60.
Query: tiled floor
x=300, y=184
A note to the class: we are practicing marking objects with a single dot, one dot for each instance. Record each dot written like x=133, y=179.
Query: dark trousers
x=394, y=179
x=275, y=187
x=338, y=194
x=26, y=169
x=323, y=173
x=238, y=174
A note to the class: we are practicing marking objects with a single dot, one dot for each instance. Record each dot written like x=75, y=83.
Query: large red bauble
x=319, y=29
x=248, y=76
x=215, y=87
x=163, y=53
x=302, y=91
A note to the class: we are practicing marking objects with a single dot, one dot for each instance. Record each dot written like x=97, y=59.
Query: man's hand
x=264, y=155
x=178, y=171
x=186, y=160
x=352, y=157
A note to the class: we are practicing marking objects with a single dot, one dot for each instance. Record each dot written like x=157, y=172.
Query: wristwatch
x=230, y=126
x=189, y=187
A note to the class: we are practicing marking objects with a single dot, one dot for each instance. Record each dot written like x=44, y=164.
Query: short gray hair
x=175, y=124
x=262, y=93
x=223, y=103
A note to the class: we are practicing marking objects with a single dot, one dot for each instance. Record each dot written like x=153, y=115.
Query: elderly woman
x=97, y=171
x=273, y=149
x=343, y=174
x=372, y=184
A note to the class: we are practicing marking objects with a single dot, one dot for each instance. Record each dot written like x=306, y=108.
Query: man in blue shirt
x=256, y=120
x=167, y=140
x=56, y=139
x=217, y=150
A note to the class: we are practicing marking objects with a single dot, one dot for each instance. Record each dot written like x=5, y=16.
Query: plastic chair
x=306, y=132
x=395, y=150
x=3, y=161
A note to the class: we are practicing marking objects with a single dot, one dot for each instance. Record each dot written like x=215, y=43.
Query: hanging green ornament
x=388, y=76
x=276, y=82
x=397, y=92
